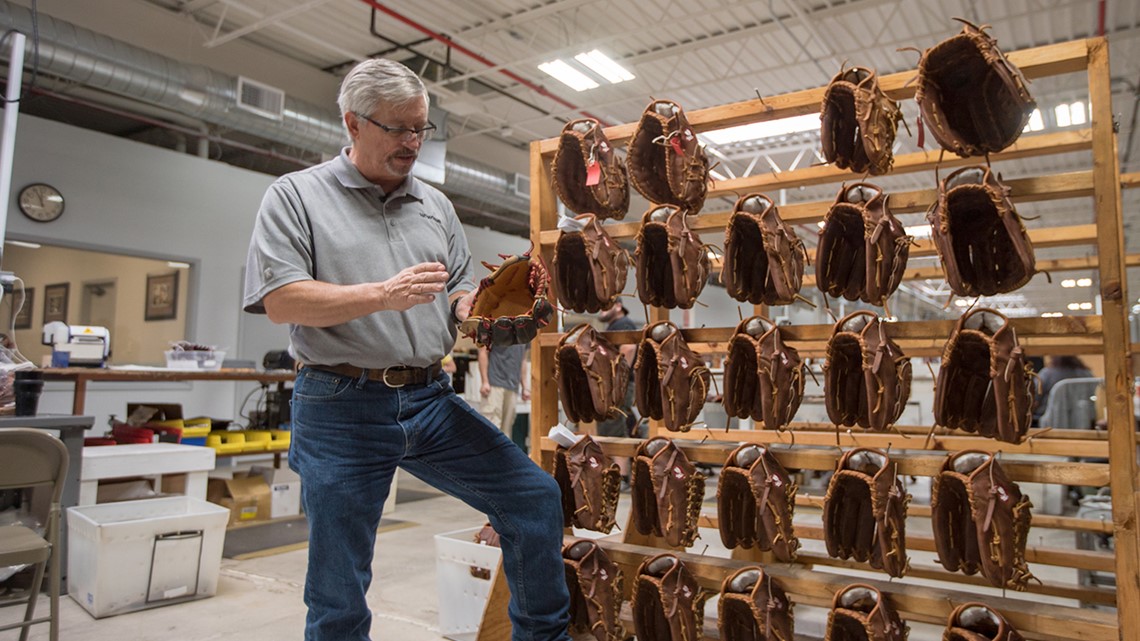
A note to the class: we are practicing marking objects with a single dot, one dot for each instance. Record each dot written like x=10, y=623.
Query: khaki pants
x=499, y=408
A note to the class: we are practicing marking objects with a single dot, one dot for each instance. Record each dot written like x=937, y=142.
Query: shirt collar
x=350, y=177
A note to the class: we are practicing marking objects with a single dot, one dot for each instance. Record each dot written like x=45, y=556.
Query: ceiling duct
x=88, y=58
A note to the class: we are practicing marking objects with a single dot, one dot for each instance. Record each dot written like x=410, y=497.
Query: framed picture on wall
x=162, y=297
x=23, y=318
x=55, y=302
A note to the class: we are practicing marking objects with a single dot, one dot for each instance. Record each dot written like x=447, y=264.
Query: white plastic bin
x=461, y=595
x=142, y=554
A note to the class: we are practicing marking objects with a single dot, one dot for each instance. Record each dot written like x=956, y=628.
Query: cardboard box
x=247, y=498
x=126, y=490
x=284, y=489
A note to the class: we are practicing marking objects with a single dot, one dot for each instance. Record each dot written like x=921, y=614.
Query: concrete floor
x=261, y=599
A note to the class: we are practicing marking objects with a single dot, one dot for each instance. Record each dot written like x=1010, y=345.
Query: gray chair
x=31, y=459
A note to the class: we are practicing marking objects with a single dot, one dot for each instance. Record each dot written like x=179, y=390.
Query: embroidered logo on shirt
x=437, y=219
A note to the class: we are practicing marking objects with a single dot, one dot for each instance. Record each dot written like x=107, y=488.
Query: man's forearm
x=317, y=304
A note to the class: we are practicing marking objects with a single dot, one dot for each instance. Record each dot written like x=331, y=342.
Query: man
x=503, y=371
x=617, y=318
x=371, y=270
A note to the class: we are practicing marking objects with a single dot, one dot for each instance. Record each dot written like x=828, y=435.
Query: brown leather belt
x=397, y=376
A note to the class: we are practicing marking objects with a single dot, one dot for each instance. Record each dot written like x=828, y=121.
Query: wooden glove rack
x=917, y=455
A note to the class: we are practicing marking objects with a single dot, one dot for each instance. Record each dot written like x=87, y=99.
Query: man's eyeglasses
x=403, y=133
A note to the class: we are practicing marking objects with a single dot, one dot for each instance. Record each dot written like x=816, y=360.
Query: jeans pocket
x=315, y=385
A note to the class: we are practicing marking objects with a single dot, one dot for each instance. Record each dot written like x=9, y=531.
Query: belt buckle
x=384, y=379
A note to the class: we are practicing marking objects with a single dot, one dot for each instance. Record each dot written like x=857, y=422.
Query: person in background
x=617, y=319
x=1058, y=369
x=370, y=268
x=502, y=371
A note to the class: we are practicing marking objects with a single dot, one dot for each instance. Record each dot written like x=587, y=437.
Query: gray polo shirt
x=329, y=223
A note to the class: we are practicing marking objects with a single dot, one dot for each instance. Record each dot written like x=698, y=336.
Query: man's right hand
x=413, y=286
x=485, y=389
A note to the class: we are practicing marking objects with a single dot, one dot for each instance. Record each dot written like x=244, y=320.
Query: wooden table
x=82, y=375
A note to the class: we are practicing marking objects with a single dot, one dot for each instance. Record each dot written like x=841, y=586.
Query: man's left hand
x=463, y=307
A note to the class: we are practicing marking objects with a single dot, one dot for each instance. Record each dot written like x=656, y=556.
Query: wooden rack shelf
x=813, y=579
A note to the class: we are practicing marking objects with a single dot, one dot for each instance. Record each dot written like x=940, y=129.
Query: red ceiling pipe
x=1102, y=9
x=464, y=50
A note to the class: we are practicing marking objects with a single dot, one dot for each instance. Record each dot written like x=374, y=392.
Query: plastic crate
x=226, y=442
x=195, y=361
x=134, y=555
x=462, y=596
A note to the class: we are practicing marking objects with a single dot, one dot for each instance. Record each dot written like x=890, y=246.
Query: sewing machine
x=84, y=345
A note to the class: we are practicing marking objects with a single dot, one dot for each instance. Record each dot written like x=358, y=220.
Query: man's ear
x=352, y=124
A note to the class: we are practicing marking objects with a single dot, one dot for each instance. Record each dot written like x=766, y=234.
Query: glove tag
x=593, y=173
x=676, y=142
x=921, y=132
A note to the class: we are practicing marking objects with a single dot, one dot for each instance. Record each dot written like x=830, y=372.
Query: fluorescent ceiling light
x=961, y=302
x=1069, y=282
x=918, y=231
x=604, y=66
x=1074, y=306
x=568, y=75
x=1052, y=315
x=1077, y=112
x=177, y=265
x=1084, y=282
x=1036, y=122
x=1086, y=305
x=767, y=129
x=20, y=243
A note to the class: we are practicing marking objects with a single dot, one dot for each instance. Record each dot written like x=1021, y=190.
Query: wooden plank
x=922, y=430
x=914, y=602
x=495, y=624
x=1066, y=57
x=1081, y=263
x=802, y=458
x=1063, y=326
x=1117, y=364
x=1034, y=189
x=1128, y=181
x=544, y=390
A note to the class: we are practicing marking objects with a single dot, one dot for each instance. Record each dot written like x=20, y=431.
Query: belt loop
x=360, y=382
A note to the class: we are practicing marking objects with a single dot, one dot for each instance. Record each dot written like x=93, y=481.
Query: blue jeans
x=349, y=435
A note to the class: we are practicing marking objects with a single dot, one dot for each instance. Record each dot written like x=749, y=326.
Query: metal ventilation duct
x=92, y=59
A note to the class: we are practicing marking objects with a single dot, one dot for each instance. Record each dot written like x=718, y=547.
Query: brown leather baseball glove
x=510, y=303
x=666, y=491
x=763, y=376
x=861, y=613
x=672, y=263
x=486, y=535
x=985, y=384
x=858, y=122
x=671, y=380
x=589, y=267
x=668, y=605
x=753, y=607
x=979, y=622
x=866, y=378
x=863, y=248
x=981, y=241
x=589, y=177
x=864, y=511
x=592, y=375
x=763, y=257
x=595, y=584
x=667, y=164
x=980, y=520
x=755, y=503
x=972, y=98
x=590, y=482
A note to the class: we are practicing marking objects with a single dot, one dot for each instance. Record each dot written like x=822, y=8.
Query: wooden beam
x=1066, y=57
x=543, y=215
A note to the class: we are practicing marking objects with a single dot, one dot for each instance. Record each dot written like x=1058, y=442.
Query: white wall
x=131, y=198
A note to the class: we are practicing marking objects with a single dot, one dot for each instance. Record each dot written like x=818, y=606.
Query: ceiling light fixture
x=1084, y=282
x=20, y=243
x=918, y=231
x=1036, y=122
x=1069, y=282
x=766, y=129
x=1086, y=306
x=1052, y=315
x=568, y=75
x=604, y=66
x=1074, y=306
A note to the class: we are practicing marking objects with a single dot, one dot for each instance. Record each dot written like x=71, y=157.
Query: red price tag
x=676, y=142
x=593, y=174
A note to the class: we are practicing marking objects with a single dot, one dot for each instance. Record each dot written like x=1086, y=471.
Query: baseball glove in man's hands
x=981, y=241
x=858, y=122
x=973, y=100
x=753, y=607
x=980, y=520
x=864, y=512
x=763, y=257
x=863, y=248
x=866, y=376
x=985, y=384
x=595, y=584
x=589, y=178
x=862, y=613
x=590, y=268
x=755, y=502
x=667, y=164
x=668, y=604
x=510, y=304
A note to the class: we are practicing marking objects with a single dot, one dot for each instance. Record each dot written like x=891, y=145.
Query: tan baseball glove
x=590, y=483
x=667, y=164
x=671, y=379
x=589, y=177
x=592, y=375
x=510, y=303
x=755, y=503
x=864, y=511
x=668, y=605
x=861, y=613
x=590, y=268
x=863, y=248
x=763, y=376
x=858, y=122
x=595, y=584
x=763, y=257
x=866, y=378
x=666, y=491
x=672, y=263
x=753, y=607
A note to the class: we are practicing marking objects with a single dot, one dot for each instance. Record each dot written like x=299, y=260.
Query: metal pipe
x=8, y=132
